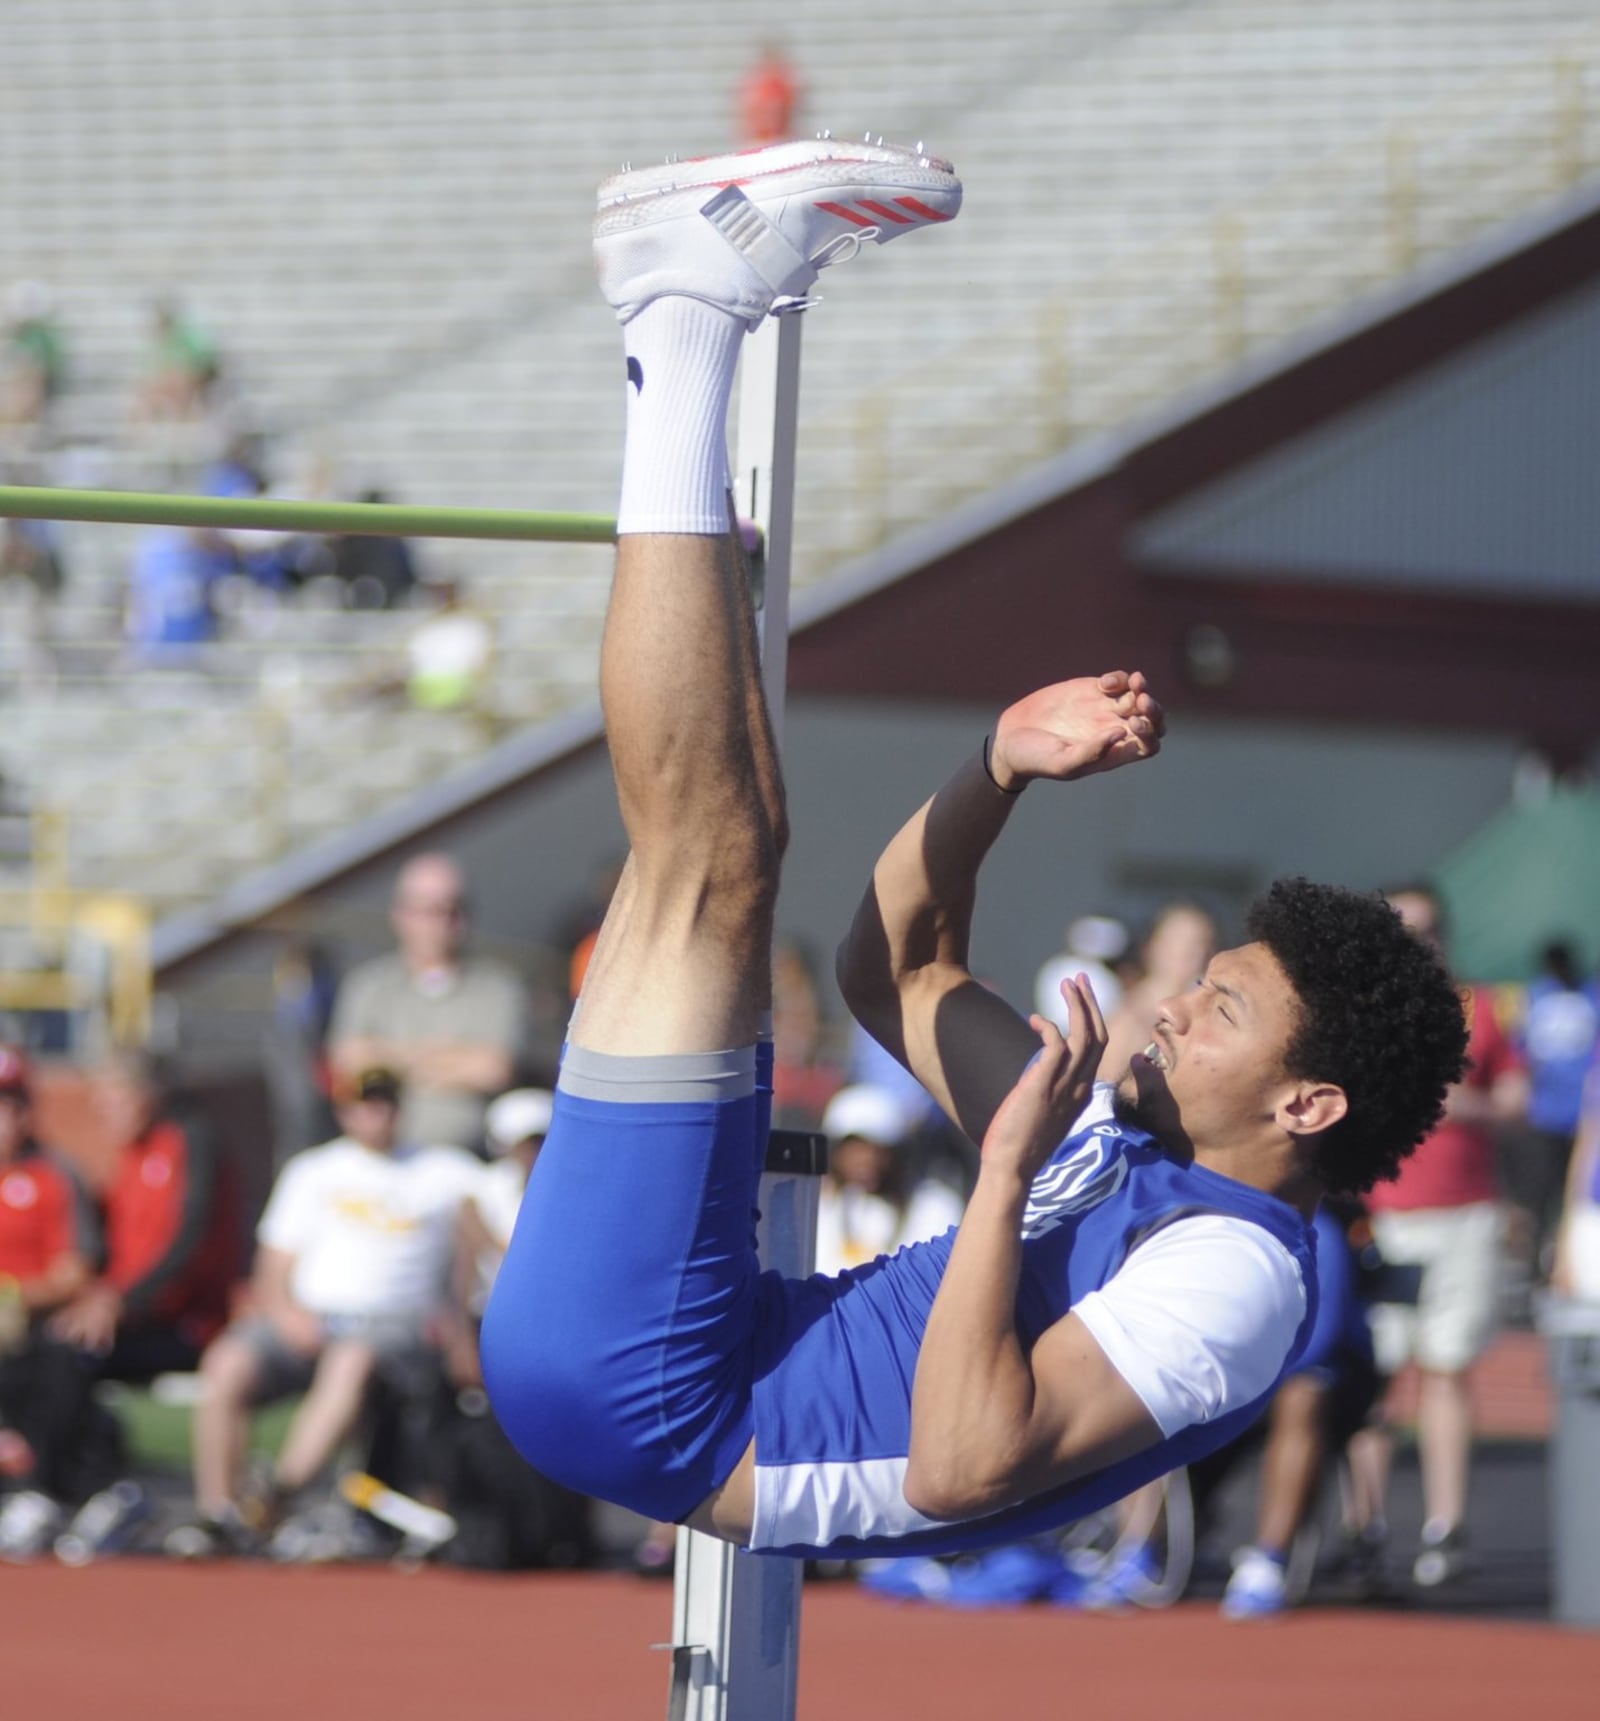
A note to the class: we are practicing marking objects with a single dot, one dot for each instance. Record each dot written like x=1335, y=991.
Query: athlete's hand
x=1035, y=1116
x=1076, y=728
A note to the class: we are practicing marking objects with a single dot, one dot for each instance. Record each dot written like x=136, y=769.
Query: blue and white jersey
x=1210, y=1256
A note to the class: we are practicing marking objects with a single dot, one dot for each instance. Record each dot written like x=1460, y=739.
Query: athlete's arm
x=991, y=1423
x=903, y=967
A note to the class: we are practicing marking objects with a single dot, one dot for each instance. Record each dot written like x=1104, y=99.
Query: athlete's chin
x=1142, y=1096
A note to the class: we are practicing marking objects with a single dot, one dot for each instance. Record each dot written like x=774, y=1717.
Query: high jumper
x=1135, y=1272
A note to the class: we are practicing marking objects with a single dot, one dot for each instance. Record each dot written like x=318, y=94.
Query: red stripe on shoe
x=918, y=207
x=886, y=213
x=848, y=214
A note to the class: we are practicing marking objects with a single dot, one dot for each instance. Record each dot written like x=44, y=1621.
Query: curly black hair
x=1379, y=1016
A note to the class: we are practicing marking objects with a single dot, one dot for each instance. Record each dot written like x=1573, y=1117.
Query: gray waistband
x=675, y=1079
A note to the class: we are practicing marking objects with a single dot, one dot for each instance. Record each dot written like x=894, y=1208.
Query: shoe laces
x=840, y=249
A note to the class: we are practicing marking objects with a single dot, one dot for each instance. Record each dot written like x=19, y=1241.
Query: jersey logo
x=19, y=1192
x=1095, y=1172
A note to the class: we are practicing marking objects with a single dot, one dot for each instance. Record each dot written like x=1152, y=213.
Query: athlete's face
x=1213, y=1073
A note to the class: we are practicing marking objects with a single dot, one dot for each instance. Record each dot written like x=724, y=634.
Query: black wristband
x=988, y=742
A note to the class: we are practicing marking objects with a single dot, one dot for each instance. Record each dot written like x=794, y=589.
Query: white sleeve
x=1199, y=1318
x=288, y=1218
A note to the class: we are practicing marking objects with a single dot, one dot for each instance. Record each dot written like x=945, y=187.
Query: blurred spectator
x=180, y=370
x=1176, y=950
x=515, y=1127
x=172, y=1248
x=169, y=607
x=353, y=1258
x=769, y=94
x=295, y=1047
x=1094, y=942
x=1559, y=1034
x=872, y=1202
x=33, y=361
x=453, y=1025
x=508, y=1515
x=450, y=654
x=376, y=573
x=804, y=1077
x=48, y=1242
x=1575, y=1271
x=1442, y=1214
x=30, y=550
x=1313, y=1415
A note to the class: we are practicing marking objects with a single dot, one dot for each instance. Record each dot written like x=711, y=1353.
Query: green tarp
x=1532, y=874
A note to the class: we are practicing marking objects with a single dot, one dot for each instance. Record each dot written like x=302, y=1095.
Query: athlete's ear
x=1308, y=1108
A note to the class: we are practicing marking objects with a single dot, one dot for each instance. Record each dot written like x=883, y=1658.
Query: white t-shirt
x=501, y=1186
x=1199, y=1318
x=854, y=1227
x=372, y=1234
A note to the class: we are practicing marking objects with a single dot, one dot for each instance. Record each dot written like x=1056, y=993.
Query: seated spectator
x=515, y=1125
x=507, y=1514
x=450, y=654
x=1094, y=942
x=353, y=1259
x=377, y=573
x=804, y=1076
x=33, y=359
x=871, y=1203
x=31, y=550
x=172, y=1249
x=47, y=1248
x=452, y=1024
x=169, y=611
x=180, y=370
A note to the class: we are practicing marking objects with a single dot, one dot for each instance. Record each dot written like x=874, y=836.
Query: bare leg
x=1292, y=1462
x=683, y=962
x=1444, y=1433
x=230, y=1372
x=327, y=1414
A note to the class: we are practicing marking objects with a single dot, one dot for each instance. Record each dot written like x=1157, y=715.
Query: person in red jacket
x=172, y=1248
x=47, y=1247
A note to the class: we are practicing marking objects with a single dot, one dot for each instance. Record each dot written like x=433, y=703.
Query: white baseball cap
x=871, y=1112
x=517, y=1117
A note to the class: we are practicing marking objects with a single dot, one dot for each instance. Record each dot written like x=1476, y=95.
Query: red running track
x=144, y=1641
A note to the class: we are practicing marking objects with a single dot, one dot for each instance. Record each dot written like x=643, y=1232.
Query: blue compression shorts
x=619, y=1342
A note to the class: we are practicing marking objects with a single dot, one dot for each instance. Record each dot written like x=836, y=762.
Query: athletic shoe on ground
x=106, y=1523
x=1359, y=1558
x=211, y=1536
x=29, y=1522
x=1006, y=1577
x=743, y=232
x=912, y=1577
x=1258, y=1588
x=1442, y=1558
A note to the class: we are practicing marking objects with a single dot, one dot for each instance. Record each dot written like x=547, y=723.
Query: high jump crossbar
x=274, y=514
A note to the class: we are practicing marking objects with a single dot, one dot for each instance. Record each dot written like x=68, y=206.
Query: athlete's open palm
x=1035, y=1116
x=1075, y=728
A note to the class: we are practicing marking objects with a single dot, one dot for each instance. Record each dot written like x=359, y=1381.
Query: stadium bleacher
x=379, y=207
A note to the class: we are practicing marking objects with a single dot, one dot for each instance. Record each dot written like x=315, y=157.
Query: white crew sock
x=681, y=354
